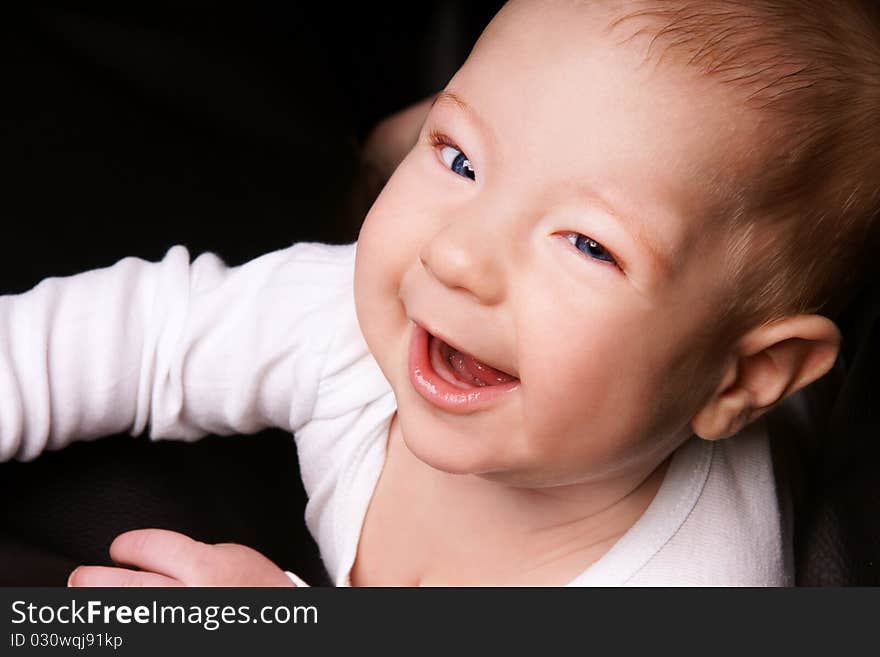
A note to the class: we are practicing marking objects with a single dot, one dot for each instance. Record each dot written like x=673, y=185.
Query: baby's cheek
x=598, y=389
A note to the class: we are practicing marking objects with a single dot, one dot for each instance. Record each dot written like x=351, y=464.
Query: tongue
x=470, y=370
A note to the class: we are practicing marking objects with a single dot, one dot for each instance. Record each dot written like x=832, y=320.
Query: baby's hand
x=169, y=558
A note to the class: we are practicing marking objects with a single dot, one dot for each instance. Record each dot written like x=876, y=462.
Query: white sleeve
x=187, y=349
x=296, y=579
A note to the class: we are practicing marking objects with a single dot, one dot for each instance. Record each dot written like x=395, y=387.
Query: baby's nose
x=461, y=260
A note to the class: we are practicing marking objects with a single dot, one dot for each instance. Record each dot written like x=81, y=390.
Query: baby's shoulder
x=738, y=518
x=338, y=258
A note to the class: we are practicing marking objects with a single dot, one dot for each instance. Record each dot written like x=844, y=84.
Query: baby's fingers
x=160, y=551
x=108, y=576
x=194, y=563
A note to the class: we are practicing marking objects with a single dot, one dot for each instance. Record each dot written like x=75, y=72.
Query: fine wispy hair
x=802, y=230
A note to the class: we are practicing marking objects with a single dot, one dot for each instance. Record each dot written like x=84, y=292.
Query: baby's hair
x=810, y=71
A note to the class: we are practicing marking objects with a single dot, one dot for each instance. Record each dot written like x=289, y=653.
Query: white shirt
x=193, y=349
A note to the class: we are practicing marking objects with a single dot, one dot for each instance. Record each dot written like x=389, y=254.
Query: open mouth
x=462, y=369
x=454, y=380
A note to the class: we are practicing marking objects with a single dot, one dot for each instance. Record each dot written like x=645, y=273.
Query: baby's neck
x=541, y=536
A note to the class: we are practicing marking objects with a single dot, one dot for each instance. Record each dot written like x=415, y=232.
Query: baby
x=616, y=243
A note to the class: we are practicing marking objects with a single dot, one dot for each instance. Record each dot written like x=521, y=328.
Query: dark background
x=129, y=127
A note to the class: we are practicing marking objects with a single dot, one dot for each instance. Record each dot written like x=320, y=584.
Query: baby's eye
x=589, y=247
x=457, y=161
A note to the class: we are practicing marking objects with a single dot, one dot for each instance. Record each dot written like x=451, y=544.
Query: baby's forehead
x=564, y=38
x=567, y=100
x=745, y=47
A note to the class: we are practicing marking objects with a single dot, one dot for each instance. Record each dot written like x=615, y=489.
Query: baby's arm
x=187, y=349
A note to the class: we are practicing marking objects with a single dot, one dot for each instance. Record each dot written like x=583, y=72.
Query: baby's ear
x=767, y=364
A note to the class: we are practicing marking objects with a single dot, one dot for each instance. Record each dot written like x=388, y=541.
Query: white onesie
x=195, y=348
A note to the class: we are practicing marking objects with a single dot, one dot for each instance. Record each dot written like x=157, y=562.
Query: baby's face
x=552, y=222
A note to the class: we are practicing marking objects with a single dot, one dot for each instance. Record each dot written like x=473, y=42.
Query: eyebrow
x=451, y=97
x=447, y=97
x=635, y=228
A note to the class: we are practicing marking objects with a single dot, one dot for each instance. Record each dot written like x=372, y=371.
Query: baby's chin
x=447, y=450
x=472, y=453
x=499, y=475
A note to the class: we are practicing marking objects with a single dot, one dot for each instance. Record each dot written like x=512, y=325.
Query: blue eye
x=589, y=247
x=457, y=161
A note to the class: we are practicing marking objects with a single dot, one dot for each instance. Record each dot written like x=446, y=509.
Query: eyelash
x=439, y=139
x=568, y=235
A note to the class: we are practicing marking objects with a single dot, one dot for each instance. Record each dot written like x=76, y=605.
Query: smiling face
x=552, y=222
